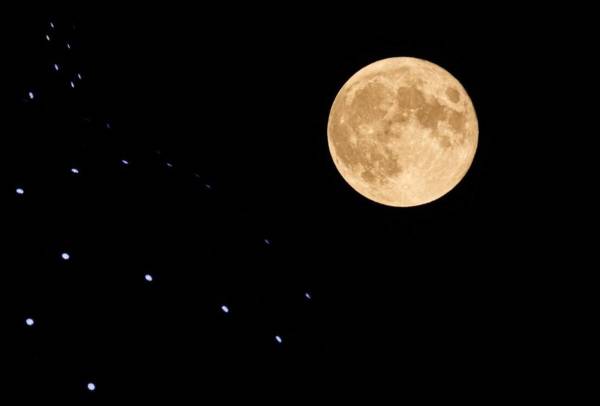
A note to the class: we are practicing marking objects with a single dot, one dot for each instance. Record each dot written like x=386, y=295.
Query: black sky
x=420, y=300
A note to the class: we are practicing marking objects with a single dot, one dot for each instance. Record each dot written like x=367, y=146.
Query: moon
x=402, y=132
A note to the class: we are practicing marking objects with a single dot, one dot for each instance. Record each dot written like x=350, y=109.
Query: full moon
x=402, y=132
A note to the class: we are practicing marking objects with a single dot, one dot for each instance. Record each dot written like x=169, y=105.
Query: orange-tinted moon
x=402, y=132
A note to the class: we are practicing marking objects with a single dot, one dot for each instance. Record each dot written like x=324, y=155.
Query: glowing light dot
x=20, y=191
x=68, y=45
x=75, y=171
x=308, y=296
x=225, y=309
x=278, y=339
x=208, y=186
x=29, y=322
x=47, y=37
x=169, y=165
x=148, y=277
x=267, y=241
x=72, y=85
x=56, y=67
x=91, y=386
x=79, y=76
x=65, y=256
x=31, y=95
x=124, y=162
x=51, y=24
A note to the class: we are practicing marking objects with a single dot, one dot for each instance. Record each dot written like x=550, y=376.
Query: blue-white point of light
x=29, y=321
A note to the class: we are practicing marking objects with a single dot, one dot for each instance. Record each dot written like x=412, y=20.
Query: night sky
x=174, y=227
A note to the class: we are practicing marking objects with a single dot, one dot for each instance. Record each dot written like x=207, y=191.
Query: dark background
x=427, y=301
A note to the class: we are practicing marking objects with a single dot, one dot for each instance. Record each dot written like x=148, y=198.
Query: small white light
x=208, y=186
x=72, y=85
x=148, y=277
x=51, y=24
x=31, y=95
x=225, y=309
x=169, y=164
x=68, y=46
x=308, y=296
x=56, y=67
x=79, y=76
x=30, y=322
x=108, y=126
x=65, y=256
x=91, y=386
x=75, y=171
x=278, y=339
x=20, y=191
x=267, y=241
x=47, y=37
x=124, y=162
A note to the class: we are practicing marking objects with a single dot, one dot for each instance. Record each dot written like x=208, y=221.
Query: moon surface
x=402, y=132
